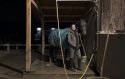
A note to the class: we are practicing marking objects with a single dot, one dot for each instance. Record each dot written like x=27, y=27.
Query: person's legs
x=78, y=53
x=72, y=51
x=71, y=59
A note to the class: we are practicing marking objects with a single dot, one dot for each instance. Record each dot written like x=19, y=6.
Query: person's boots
x=71, y=67
x=79, y=65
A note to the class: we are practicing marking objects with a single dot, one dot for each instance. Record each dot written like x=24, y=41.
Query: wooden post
x=28, y=35
x=8, y=47
x=43, y=36
x=39, y=46
x=16, y=47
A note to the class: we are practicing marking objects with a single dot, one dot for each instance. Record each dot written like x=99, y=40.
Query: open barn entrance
x=76, y=12
x=24, y=38
x=43, y=21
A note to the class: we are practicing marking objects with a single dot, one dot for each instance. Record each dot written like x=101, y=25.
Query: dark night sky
x=13, y=22
x=12, y=11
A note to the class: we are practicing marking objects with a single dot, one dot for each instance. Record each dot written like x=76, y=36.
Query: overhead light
x=39, y=29
x=52, y=28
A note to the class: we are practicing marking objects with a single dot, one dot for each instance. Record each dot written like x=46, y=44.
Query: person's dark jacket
x=73, y=39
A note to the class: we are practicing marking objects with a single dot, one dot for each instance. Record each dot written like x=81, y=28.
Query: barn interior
x=14, y=33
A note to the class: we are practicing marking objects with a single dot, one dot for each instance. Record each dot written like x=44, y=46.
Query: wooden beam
x=34, y=3
x=43, y=36
x=62, y=15
x=43, y=28
x=28, y=35
x=62, y=21
x=40, y=10
x=50, y=7
x=75, y=0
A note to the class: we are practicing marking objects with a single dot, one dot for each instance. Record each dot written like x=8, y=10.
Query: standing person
x=74, y=47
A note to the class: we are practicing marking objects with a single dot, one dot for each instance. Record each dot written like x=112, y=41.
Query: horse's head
x=81, y=26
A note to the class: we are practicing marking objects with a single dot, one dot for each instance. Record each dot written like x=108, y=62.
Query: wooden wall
x=113, y=15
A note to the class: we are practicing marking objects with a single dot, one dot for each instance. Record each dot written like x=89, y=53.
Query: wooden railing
x=16, y=46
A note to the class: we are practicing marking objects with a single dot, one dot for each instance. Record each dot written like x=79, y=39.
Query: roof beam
x=62, y=15
x=75, y=0
x=64, y=21
x=34, y=3
x=47, y=7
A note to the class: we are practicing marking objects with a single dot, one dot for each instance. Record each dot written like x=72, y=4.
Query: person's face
x=73, y=27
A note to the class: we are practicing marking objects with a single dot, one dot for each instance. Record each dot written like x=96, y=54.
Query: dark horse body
x=54, y=42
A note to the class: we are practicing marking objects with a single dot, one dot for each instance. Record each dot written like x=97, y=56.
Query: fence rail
x=8, y=46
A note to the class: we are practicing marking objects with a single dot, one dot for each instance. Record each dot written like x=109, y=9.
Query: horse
x=54, y=41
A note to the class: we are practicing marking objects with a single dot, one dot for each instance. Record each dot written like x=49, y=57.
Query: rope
x=87, y=66
x=83, y=45
x=103, y=60
x=61, y=41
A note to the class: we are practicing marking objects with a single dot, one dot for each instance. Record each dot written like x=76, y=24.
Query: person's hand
x=77, y=48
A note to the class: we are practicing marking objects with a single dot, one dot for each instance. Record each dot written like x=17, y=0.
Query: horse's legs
x=52, y=54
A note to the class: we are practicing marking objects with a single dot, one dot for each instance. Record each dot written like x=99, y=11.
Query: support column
x=28, y=35
x=8, y=47
x=16, y=46
x=43, y=37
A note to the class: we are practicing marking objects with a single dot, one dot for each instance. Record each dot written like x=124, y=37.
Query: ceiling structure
x=69, y=10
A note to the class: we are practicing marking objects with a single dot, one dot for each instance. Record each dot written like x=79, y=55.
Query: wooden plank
x=113, y=14
x=28, y=35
